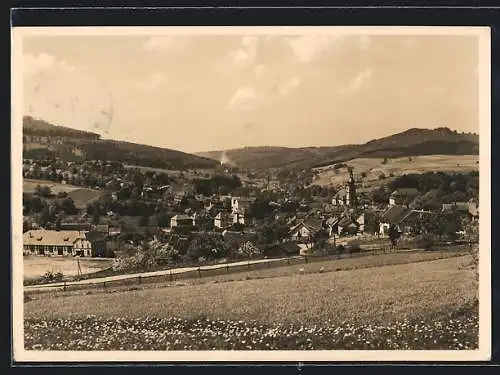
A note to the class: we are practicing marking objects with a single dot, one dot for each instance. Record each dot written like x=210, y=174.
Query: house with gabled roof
x=400, y=216
x=304, y=231
x=54, y=242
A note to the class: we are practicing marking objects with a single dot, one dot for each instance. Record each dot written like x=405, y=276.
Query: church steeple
x=351, y=190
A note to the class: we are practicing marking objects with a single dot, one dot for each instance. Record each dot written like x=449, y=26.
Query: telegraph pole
x=79, y=269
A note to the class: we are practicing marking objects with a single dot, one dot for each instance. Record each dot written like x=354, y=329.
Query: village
x=201, y=217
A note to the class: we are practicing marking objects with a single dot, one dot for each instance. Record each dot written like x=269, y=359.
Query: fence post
x=307, y=261
x=104, y=284
x=248, y=265
x=171, y=276
x=288, y=260
x=64, y=288
x=139, y=279
x=199, y=272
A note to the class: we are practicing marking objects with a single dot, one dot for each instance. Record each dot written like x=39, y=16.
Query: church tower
x=351, y=199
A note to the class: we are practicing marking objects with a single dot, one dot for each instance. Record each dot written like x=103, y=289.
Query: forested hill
x=89, y=146
x=412, y=142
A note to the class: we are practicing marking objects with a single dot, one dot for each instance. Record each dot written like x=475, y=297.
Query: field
x=81, y=196
x=36, y=266
x=398, y=166
x=416, y=305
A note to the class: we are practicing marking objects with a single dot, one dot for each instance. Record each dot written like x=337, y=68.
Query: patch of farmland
x=29, y=186
x=83, y=196
x=35, y=266
x=374, y=167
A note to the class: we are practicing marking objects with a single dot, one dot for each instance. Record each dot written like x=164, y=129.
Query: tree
x=96, y=217
x=394, y=234
x=380, y=195
x=68, y=206
x=43, y=191
x=144, y=220
x=260, y=208
x=206, y=245
x=46, y=217
x=271, y=232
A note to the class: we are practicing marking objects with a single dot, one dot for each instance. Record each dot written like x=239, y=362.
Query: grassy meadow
x=423, y=304
x=398, y=166
x=81, y=196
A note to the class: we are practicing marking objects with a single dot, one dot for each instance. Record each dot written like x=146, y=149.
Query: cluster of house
x=237, y=213
x=348, y=218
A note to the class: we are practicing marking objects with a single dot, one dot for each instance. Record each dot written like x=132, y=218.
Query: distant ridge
x=82, y=145
x=411, y=142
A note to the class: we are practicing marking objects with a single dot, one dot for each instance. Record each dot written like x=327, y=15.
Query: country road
x=173, y=271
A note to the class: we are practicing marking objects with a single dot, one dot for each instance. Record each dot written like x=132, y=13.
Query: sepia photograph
x=251, y=193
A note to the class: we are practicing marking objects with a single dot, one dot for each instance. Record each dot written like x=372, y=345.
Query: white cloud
x=242, y=57
x=166, y=43
x=288, y=86
x=243, y=99
x=155, y=80
x=42, y=62
x=311, y=47
x=356, y=83
x=259, y=70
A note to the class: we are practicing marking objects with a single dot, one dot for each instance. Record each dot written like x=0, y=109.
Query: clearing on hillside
x=81, y=196
x=374, y=167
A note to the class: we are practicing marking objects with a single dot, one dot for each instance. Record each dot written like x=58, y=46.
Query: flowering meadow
x=420, y=306
x=92, y=333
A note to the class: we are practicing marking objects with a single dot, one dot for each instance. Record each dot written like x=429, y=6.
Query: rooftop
x=52, y=237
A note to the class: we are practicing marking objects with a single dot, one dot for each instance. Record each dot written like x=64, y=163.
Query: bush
x=51, y=277
x=425, y=242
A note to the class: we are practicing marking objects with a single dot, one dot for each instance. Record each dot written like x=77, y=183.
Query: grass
x=398, y=166
x=288, y=267
x=426, y=305
x=36, y=266
x=376, y=294
x=29, y=186
x=81, y=196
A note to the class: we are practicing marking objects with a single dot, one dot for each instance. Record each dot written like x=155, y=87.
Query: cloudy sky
x=202, y=92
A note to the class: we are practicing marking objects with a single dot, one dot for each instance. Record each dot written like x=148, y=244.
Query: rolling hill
x=74, y=144
x=412, y=142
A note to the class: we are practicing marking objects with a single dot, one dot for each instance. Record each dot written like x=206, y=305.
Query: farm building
x=52, y=242
x=403, y=217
